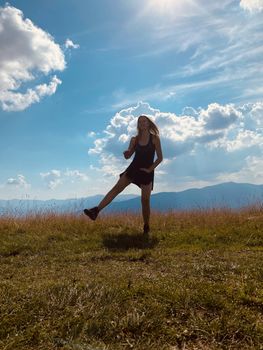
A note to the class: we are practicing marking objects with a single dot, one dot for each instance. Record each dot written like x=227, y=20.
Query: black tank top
x=144, y=155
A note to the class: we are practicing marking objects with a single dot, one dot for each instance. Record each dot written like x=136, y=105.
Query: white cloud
x=19, y=181
x=245, y=139
x=123, y=138
x=76, y=174
x=28, y=53
x=252, y=5
x=91, y=134
x=69, y=44
x=99, y=145
x=16, y=101
x=111, y=164
x=52, y=178
x=254, y=116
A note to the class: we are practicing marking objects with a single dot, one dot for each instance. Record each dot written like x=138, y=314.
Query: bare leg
x=145, y=200
x=123, y=182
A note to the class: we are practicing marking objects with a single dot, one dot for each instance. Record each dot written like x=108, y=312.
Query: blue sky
x=75, y=75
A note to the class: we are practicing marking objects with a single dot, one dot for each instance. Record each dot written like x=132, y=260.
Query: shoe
x=146, y=228
x=92, y=213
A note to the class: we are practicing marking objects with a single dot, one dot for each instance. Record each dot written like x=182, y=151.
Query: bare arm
x=131, y=149
x=159, y=152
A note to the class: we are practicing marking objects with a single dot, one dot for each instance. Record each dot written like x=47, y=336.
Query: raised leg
x=123, y=182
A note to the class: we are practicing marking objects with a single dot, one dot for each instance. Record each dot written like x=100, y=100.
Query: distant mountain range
x=228, y=195
x=18, y=207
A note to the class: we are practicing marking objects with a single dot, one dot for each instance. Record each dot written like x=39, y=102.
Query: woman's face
x=143, y=123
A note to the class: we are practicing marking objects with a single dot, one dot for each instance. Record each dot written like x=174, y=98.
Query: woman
x=140, y=171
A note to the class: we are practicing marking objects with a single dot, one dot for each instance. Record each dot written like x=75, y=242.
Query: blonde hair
x=153, y=129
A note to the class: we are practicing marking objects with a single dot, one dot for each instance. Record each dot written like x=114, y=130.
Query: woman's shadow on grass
x=126, y=241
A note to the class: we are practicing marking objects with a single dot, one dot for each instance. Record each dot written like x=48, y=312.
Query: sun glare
x=163, y=5
x=170, y=8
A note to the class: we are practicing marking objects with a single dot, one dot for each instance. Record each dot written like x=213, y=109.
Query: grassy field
x=71, y=283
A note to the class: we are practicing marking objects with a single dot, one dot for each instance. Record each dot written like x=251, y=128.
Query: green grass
x=71, y=283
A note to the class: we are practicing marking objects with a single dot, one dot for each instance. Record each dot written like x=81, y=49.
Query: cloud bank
x=200, y=145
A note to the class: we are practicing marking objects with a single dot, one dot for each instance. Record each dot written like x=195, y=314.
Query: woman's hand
x=146, y=170
x=126, y=154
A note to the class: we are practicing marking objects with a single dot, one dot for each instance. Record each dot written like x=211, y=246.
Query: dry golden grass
x=71, y=283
